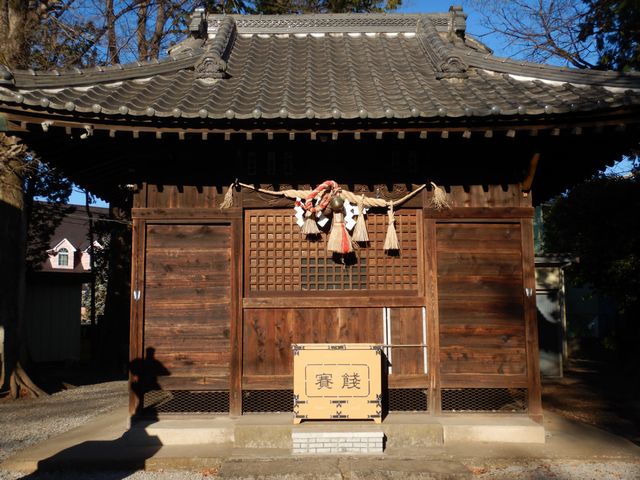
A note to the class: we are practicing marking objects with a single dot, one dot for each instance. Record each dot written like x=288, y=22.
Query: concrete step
x=495, y=429
x=339, y=468
x=184, y=431
x=275, y=430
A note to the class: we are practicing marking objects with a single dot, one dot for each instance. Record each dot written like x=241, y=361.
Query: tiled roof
x=355, y=66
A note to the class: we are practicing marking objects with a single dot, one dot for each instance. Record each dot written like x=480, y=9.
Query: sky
x=422, y=6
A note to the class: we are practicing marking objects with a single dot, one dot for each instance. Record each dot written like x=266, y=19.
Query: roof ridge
x=544, y=71
x=213, y=62
x=440, y=52
x=332, y=22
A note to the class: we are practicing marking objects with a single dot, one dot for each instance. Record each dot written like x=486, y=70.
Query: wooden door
x=187, y=309
x=481, y=308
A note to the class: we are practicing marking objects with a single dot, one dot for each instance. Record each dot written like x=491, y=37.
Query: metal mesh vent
x=185, y=401
x=484, y=400
x=408, y=400
x=260, y=401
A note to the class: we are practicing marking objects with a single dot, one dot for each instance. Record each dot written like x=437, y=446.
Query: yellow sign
x=337, y=381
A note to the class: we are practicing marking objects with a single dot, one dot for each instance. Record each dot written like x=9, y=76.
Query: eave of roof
x=321, y=67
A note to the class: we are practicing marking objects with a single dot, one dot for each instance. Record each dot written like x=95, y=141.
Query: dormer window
x=63, y=257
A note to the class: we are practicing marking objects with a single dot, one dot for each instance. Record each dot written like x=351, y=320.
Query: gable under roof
x=322, y=67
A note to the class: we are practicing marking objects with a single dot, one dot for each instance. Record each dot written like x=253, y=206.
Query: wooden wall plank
x=188, y=302
x=136, y=347
x=480, y=278
x=235, y=372
x=531, y=321
x=433, y=314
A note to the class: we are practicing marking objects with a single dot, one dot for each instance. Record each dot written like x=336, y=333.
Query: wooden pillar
x=137, y=313
x=235, y=384
x=531, y=321
x=433, y=323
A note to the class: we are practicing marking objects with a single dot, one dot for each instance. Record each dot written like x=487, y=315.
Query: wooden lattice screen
x=281, y=259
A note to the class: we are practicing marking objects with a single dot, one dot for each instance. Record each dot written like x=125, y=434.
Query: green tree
x=615, y=27
x=598, y=222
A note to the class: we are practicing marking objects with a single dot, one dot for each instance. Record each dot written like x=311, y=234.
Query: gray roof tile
x=330, y=67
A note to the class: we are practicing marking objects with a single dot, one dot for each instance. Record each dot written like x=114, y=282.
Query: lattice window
x=281, y=259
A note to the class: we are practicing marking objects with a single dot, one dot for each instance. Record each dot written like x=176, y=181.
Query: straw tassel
x=391, y=240
x=360, y=233
x=310, y=227
x=227, y=202
x=440, y=199
x=339, y=239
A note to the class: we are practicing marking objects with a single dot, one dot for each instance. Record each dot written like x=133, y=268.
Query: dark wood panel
x=481, y=314
x=475, y=380
x=479, y=286
x=481, y=311
x=408, y=381
x=492, y=214
x=175, y=264
x=406, y=329
x=267, y=382
x=471, y=237
x=169, y=291
x=194, y=382
x=479, y=263
x=188, y=302
x=192, y=313
x=352, y=299
x=486, y=335
x=269, y=333
x=482, y=360
x=178, y=215
x=188, y=236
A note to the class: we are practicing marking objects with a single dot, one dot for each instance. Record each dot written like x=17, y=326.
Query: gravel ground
x=29, y=421
x=561, y=469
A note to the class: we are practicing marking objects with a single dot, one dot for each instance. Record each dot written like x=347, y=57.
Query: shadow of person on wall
x=120, y=457
x=144, y=379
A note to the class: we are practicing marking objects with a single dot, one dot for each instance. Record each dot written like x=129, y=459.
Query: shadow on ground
x=595, y=393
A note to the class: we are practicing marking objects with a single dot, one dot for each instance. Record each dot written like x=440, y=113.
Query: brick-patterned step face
x=337, y=442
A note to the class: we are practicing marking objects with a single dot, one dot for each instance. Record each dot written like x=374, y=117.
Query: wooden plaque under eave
x=337, y=381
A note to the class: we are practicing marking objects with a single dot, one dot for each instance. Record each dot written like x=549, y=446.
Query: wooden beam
x=433, y=319
x=350, y=301
x=235, y=384
x=136, y=352
x=528, y=180
x=531, y=321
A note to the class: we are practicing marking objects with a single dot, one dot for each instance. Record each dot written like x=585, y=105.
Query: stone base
x=337, y=442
